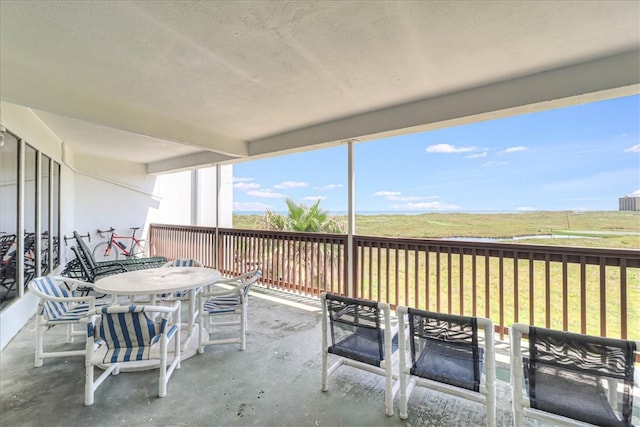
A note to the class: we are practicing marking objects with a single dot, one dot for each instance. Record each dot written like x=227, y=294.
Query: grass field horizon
x=450, y=279
x=605, y=229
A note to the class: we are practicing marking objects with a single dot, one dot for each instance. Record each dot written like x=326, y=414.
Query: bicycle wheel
x=105, y=252
x=139, y=250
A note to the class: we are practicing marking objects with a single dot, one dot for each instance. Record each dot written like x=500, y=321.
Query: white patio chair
x=446, y=356
x=360, y=334
x=60, y=305
x=188, y=295
x=182, y=262
x=215, y=302
x=571, y=379
x=131, y=333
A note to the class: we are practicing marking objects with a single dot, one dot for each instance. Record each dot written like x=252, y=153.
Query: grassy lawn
x=604, y=229
x=607, y=229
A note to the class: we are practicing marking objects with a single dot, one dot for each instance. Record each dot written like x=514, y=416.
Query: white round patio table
x=162, y=280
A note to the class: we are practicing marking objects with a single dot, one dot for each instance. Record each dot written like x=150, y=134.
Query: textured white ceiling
x=165, y=80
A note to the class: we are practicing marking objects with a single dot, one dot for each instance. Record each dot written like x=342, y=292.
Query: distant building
x=629, y=203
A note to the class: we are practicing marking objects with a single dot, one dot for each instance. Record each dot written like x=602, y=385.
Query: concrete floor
x=275, y=382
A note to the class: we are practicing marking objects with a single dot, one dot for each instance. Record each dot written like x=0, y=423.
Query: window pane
x=8, y=216
x=29, y=213
x=45, y=200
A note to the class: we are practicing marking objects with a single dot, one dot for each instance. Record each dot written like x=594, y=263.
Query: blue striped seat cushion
x=130, y=335
x=71, y=315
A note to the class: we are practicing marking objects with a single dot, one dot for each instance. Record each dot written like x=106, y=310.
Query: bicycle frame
x=114, y=241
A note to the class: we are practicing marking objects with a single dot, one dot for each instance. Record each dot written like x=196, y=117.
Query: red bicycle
x=116, y=245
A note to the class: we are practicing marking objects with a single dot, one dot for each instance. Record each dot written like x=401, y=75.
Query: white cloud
x=266, y=194
x=437, y=206
x=525, y=208
x=291, y=184
x=246, y=186
x=314, y=198
x=403, y=198
x=514, y=149
x=492, y=163
x=635, y=194
x=386, y=193
x=476, y=156
x=329, y=187
x=396, y=196
x=448, y=148
x=250, y=206
x=633, y=149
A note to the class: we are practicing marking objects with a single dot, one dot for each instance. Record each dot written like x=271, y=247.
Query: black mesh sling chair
x=359, y=333
x=447, y=355
x=570, y=378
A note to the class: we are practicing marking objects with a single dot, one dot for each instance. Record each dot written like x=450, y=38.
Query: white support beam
x=613, y=76
x=40, y=91
x=190, y=161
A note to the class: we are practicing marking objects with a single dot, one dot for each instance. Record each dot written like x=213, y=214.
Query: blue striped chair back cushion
x=189, y=262
x=54, y=309
x=226, y=304
x=222, y=304
x=128, y=333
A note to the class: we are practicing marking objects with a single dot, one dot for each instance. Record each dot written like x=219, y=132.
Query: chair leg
x=178, y=350
x=518, y=416
x=325, y=356
x=162, y=382
x=39, y=341
x=201, y=330
x=88, y=384
x=91, y=384
x=388, y=392
x=402, y=400
x=491, y=406
x=243, y=327
x=191, y=318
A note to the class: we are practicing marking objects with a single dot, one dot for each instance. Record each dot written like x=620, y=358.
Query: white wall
x=185, y=199
x=24, y=123
x=101, y=193
x=174, y=206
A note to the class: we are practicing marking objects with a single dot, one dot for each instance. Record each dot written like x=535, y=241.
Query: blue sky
x=577, y=158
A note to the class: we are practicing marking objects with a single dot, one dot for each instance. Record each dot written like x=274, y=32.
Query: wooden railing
x=586, y=290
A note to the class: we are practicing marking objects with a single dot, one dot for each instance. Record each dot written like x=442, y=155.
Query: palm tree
x=308, y=257
x=310, y=219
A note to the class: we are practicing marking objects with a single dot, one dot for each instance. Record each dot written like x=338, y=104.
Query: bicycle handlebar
x=88, y=236
x=111, y=230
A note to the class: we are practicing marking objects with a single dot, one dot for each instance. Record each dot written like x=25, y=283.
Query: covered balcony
x=102, y=100
x=275, y=381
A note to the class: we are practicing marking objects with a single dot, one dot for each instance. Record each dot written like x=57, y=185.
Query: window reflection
x=8, y=215
x=29, y=227
x=45, y=205
x=30, y=209
x=55, y=213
